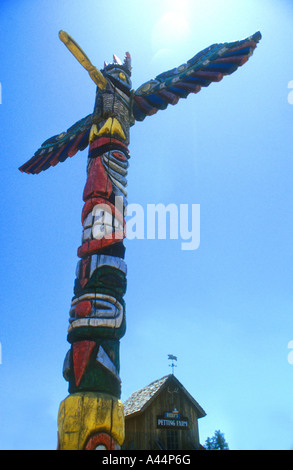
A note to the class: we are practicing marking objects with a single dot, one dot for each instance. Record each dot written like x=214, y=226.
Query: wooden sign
x=172, y=421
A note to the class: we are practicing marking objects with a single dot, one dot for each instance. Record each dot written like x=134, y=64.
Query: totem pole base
x=90, y=421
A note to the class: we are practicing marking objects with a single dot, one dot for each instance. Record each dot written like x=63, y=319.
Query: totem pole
x=91, y=417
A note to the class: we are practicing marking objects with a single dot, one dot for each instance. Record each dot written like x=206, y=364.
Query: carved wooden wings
x=61, y=146
x=209, y=65
x=206, y=67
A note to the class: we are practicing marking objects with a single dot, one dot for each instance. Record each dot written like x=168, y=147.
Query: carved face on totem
x=112, y=111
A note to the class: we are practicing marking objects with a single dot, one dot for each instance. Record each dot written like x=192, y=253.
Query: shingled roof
x=141, y=399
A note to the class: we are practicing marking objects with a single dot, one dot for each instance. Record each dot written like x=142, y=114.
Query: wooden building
x=162, y=415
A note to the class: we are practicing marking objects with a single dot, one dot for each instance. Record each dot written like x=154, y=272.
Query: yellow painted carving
x=106, y=128
x=112, y=126
x=117, y=129
x=83, y=414
x=93, y=133
x=78, y=53
x=122, y=76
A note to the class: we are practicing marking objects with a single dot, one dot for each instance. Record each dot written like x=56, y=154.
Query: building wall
x=142, y=433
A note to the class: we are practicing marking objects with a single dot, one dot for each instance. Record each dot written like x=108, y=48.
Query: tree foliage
x=216, y=442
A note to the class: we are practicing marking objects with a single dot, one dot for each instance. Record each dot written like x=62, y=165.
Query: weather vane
x=92, y=417
x=172, y=358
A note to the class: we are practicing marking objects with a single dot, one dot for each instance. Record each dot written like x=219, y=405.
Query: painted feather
x=209, y=65
x=58, y=148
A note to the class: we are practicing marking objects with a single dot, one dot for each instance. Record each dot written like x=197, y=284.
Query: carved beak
x=78, y=53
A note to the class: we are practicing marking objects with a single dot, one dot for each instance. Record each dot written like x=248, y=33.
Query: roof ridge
x=158, y=380
x=151, y=383
x=139, y=398
x=142, y=398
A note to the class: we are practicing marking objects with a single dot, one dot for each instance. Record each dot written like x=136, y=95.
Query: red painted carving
x=81, y=353
x=100, y=439
x=83, y=309
x=98, y=183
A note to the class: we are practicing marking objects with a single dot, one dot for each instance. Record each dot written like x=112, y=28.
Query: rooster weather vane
x=91, y=416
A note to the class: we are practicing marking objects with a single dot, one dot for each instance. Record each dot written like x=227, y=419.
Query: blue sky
x=225, y=309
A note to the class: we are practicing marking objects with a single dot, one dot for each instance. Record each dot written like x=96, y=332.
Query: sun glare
x=172, y=28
